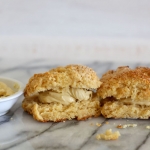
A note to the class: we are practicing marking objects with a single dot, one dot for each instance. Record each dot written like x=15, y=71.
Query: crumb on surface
x=132, y=125
x=126, y=125
x=147, y=127
x=98, y=124
x=121, y=126
x=108, y=135
x=107, y=122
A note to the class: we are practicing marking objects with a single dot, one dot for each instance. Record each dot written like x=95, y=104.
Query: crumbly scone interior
x=125, y=108
x=56, y=112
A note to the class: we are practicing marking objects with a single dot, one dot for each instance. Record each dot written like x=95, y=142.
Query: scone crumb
x=126, y=125
x=98, y=124
x=121, y=126
x=132, y=125
x=107, y=122
x=91, y=124
x=108, y=135
x=64, y=121
x=147, y=127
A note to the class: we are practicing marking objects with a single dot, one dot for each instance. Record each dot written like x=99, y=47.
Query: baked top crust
x=126, y=83
x=76, y=76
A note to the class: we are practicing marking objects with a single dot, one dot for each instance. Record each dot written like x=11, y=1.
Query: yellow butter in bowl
x=5, y=90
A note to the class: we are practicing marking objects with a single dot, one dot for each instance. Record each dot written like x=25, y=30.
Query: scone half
x=125, y=93
x=63, y=93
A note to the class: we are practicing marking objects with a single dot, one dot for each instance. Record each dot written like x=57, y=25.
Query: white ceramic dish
x=7, y=102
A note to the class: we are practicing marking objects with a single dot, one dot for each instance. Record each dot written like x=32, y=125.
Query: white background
x=115, y=30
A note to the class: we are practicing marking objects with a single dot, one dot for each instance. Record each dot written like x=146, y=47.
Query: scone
x=125, y=93
x=62, y=94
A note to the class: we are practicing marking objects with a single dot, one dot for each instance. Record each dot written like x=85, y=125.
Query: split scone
x=125, y=93
x=62, y=94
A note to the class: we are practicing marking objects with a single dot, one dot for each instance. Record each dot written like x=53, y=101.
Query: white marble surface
x=19, y=131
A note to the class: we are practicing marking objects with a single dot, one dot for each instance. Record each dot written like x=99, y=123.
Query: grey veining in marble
x=19, y=131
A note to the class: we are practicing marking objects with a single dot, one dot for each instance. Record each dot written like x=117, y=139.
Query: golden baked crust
x=76, y=76
x=117, y=109
x=126, y=83
x=58, y=112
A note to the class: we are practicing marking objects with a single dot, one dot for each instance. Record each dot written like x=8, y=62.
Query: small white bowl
x=7, y=102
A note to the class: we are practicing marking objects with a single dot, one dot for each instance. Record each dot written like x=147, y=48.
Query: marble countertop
x=19, y=131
